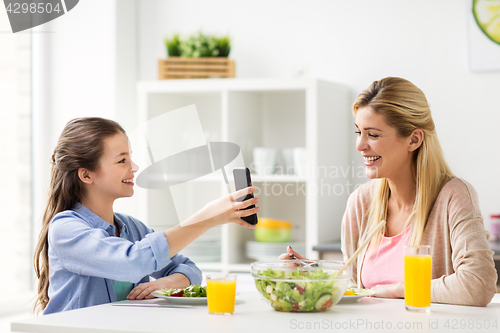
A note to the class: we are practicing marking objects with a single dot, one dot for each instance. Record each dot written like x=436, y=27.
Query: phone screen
x=243, y=180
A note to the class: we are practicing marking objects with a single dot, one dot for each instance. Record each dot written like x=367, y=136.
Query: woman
x=422, y=202
x=87, y=254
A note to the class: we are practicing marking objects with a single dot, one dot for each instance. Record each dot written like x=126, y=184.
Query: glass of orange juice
x=417, y=278
x=221, y=293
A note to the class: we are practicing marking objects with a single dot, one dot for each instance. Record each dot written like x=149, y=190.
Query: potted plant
x=197, y=56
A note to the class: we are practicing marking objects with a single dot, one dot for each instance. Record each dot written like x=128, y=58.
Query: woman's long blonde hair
x=80, y=145
x=405, y=108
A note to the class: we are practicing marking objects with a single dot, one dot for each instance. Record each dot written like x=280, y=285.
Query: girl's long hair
x=80, y=145
x=405, y=108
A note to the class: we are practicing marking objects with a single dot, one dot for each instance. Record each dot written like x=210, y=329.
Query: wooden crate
x=195, y=68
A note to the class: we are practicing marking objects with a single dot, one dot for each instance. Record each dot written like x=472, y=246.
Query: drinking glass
x=417, y=278
x=221, y=293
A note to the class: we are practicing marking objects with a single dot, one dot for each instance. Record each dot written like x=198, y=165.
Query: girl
x=87, y=254
x=414, y=191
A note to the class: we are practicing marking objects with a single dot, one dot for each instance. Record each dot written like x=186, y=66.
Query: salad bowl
x=301, y=285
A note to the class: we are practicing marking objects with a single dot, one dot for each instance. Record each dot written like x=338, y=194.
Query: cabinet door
x=269, y=119
x=171, y=197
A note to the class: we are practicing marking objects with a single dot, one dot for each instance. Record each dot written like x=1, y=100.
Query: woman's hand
x=144, y=290
x=290, y=254
x=396, y=290
x=226, y=209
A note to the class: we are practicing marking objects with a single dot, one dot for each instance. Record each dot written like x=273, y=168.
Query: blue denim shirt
x=85, y=258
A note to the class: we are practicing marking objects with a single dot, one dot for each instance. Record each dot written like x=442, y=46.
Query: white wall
x=83, y=65
x=91, y=59
x=354, y=43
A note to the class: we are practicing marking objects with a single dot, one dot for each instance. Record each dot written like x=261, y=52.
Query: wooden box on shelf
x=173, y=68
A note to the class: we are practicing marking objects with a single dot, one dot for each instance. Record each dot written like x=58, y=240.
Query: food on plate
x=350, y=292
x=300, y=290
x=357, y=292
x=193, y=290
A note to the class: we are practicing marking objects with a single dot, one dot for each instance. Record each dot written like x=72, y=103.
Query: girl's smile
x=129, y=181
x=116, y=167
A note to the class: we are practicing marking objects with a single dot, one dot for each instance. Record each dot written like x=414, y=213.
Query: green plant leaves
x=198, y=45
x=173, y=46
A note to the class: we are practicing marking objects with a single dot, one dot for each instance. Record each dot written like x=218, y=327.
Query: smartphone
x=243, y=180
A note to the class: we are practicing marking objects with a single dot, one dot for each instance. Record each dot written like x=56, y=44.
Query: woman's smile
x=385, y=154
x=371, y=160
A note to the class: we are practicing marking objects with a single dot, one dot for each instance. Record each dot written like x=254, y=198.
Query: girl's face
x=114, y=179
x=385, y=154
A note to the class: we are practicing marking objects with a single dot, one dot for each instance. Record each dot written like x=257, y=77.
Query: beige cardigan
x=463, y=271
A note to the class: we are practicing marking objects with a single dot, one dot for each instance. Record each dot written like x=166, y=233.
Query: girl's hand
x=396, y=290
x=226, y=209
x=290, y=254
x=144, y=290
x=223, y=210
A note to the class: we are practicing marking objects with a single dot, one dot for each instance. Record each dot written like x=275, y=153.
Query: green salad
x=295, y=292
x=193, y=290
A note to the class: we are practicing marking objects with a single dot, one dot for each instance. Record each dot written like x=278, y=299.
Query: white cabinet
x=278, y=113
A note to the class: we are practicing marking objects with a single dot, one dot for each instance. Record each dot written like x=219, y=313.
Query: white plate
x=183, y=300
x=359, y=293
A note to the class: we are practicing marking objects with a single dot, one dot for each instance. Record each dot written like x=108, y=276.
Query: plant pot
x=173, y=68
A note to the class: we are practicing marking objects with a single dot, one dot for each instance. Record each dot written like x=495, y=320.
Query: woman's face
x=114, y=179
x=386, y=155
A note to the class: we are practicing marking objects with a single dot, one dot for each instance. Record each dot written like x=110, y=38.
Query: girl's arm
x=220, y=211
x=179, y=274
x=89, y=250
x=144, y=290
x=86, y=248
x=215, y=213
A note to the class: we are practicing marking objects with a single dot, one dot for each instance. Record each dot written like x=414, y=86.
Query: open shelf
x=274, y=113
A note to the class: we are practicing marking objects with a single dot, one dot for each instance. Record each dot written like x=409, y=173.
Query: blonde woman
x=413, y=189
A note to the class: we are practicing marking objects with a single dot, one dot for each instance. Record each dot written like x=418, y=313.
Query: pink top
x=385, y=265
x=462, y=266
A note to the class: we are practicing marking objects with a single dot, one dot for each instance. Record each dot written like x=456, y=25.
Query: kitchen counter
x=254, y=315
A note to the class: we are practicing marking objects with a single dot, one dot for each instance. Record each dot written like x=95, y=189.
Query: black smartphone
x=242, y=179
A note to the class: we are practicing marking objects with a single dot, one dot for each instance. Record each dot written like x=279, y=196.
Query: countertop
x=253, y=315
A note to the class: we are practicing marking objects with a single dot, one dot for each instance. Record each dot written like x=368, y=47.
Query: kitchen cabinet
x=277, y=113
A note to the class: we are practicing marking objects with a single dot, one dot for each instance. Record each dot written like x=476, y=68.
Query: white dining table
x=252, y=314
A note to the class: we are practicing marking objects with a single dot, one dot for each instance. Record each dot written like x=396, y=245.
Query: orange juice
x=418, y=281
x=221, y=295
